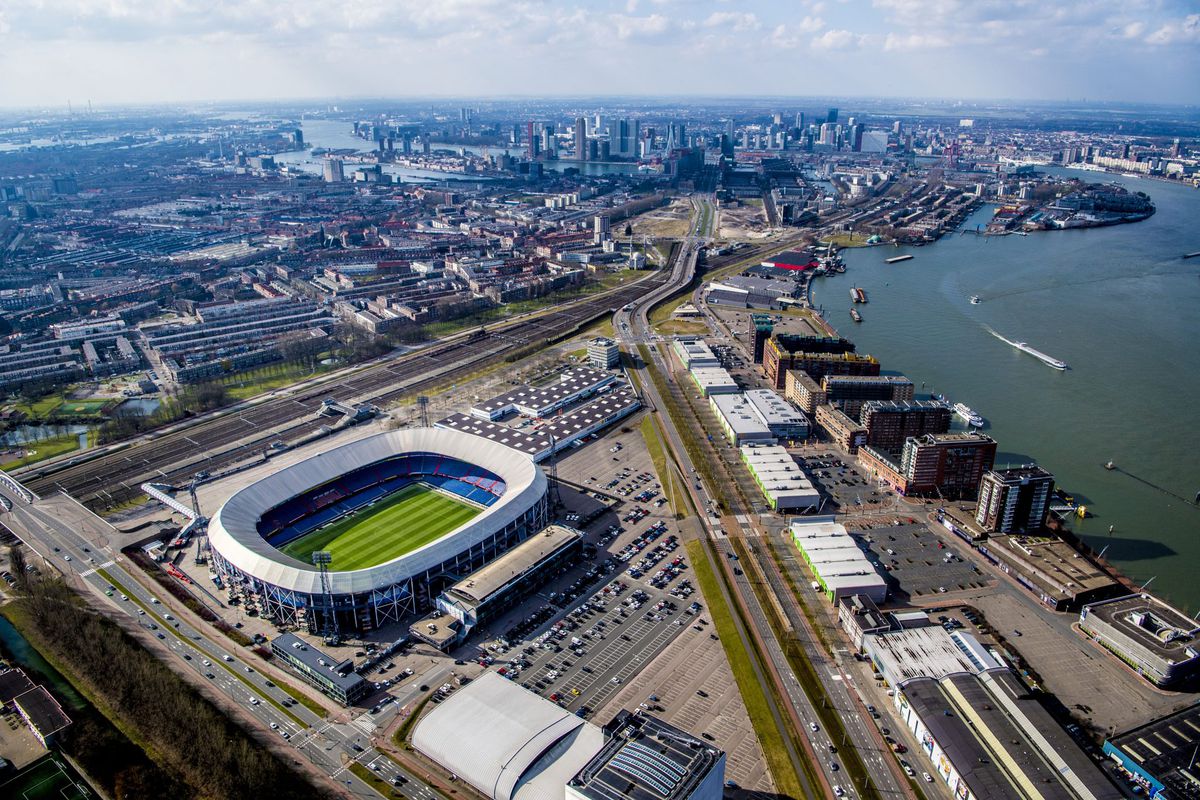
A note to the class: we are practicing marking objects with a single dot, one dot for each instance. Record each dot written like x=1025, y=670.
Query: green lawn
x=47, y=779
x=82, y=408
x=411, y=518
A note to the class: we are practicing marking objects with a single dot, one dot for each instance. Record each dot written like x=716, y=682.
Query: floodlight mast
x=329, y=632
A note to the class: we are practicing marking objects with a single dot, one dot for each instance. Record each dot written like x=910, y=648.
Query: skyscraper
x=333, y=170
x=532, y=145
x=581, y=140
x=602, y=230
x=1014, y=500
x=832, y=115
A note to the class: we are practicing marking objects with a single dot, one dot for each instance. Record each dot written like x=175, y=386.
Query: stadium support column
x=329, y=632
x=552, y=475
x=423, y=405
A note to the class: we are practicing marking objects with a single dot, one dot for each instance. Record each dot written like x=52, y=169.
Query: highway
x=328, y=744
x=632, y=326
x=220, y=439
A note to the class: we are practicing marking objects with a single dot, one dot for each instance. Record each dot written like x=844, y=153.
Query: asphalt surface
x=328, y=745
x=632, y=326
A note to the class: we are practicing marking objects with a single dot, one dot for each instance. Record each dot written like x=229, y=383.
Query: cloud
x=914, y=41
x=1133, y=30
x=791, y=36
x=647, y=27
x=837, y=40
x=733, y=21
x=1178, y=31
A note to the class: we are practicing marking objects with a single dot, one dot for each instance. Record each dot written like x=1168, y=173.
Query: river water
x=1120, y=306
x=339, y=135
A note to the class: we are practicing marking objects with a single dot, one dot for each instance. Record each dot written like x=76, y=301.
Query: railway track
x=107, y=480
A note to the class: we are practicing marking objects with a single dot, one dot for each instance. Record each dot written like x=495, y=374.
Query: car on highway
x=928, y=778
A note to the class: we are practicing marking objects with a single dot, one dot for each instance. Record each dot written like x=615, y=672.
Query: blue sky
x=119, y=51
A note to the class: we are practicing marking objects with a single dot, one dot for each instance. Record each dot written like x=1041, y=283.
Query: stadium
x=402, y=514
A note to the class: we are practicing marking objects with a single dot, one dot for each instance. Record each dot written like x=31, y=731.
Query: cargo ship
x=858, y=294
x=898, y=259
x=968, y=415
x=1038, y=354
x=854, y=315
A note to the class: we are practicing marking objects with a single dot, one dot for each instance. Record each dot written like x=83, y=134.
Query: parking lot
x=837, y=478
x=918, y=563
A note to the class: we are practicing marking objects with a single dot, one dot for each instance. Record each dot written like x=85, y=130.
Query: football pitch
x=47, y=779
x=411, y=518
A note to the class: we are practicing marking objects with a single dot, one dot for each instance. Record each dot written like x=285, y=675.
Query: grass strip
x=368, y=776
x=667, y=473
x=806, y=674
x=753, y=693
x=401, y=736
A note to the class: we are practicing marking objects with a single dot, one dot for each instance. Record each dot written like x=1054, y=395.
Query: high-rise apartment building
x=948, y=464
x=581, y=139
x=1014, y=500
x=333, y=171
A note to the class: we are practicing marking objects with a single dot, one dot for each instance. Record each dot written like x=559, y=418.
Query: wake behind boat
x=1038, y=354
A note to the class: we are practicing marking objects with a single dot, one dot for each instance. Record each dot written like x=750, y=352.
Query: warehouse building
x=572, y=386
x=738, y=420
x=987, y=737
x=785, y=486
x=848, y=573
x=694, y=352
x=1158, y=641
x=714, y=380
x=1160, y=756
x=783, y=420
x=1061, y=577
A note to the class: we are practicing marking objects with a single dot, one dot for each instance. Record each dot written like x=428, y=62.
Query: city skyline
x=138, y=52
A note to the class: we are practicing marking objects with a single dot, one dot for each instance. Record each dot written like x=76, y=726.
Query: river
x=1119, y=305
x=339, y=135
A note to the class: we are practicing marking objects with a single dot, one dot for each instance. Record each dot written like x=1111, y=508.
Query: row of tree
x=189, y=736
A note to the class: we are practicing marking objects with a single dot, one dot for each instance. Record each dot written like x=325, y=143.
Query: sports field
x=47, y=779
x=411, y=518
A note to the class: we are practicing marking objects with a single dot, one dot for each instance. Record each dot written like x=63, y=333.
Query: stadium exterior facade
x=291, y=593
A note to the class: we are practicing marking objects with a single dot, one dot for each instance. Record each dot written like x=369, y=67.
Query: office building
x=1014, y=500
x=331, y=677
x=890, y=423
x=1158, y=641
x=948, y=464
x=333, y=170
x=694, y=352
x=581, y=139
x=832, y=116
x=496, y=587
x=603, y=353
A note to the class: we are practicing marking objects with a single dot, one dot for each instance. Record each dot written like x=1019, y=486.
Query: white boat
x=1049, y=361
x=975, y=300
x=968, y=415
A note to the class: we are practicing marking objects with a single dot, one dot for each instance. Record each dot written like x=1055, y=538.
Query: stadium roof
x=234, y=535
x=506, y=741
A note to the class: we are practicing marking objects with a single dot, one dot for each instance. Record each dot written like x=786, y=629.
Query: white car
x=928, y=778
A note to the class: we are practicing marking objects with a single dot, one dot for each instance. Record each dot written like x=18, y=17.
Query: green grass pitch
x=411, y=518
x=46, y=780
